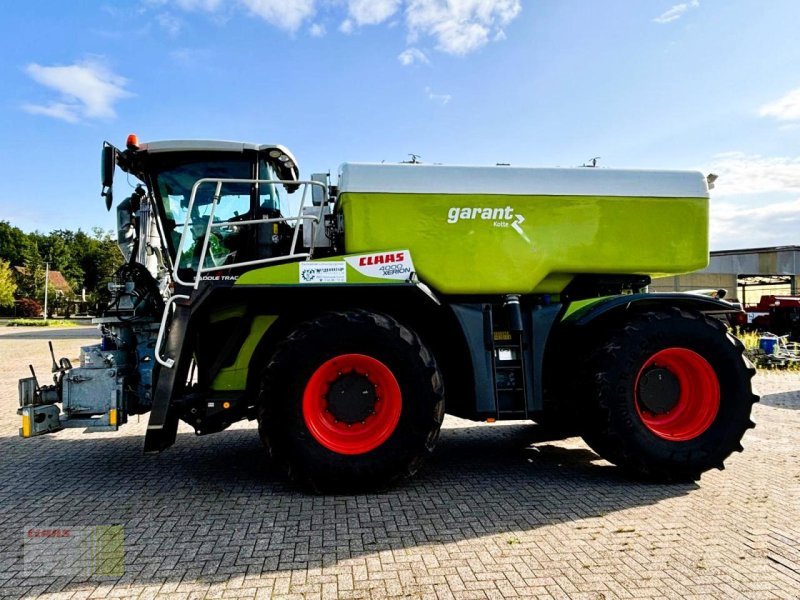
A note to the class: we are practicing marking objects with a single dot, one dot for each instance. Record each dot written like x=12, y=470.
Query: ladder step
x=512, y=414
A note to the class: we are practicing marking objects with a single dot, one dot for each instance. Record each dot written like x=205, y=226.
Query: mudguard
x=584, y=312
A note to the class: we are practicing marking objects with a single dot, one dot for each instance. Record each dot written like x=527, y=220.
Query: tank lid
x=437, y=179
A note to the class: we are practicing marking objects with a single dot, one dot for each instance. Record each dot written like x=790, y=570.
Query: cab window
x=174, y=184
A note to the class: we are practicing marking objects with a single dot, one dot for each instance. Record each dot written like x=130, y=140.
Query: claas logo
x=381, y=259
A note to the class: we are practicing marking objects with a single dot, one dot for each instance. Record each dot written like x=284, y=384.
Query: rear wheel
x=666, y=394
x=350, y=401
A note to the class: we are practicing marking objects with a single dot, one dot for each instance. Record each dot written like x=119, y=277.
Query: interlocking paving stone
x=496, y=514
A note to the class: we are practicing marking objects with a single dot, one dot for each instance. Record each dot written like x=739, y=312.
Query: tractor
x=347, y=318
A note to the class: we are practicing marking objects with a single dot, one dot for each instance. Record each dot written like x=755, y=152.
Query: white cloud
x=456, y=26
x=169, y=23
x=757, y=224
x=744, y=209
x=317, y=30
x=87, y=90
x=371, y=12
x=191, y=57
x=740, y=173
x=282, y=14
x=676, y=12
x=440, y=98
x=786, y=108
x=460, y=26
x=57, y=110
x=409, y=56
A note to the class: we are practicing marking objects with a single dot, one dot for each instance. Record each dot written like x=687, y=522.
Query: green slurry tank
x=513, y=230
x=348, y=317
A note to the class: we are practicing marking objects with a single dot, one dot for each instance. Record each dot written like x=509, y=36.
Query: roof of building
x=56, y=279
x=756, y=250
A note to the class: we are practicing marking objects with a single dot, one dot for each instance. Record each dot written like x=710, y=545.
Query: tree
x=13, y=244
x=28, y=307
x=86, y=260
x=32, y=280
x=98, y=257
x=7, y=285
x=63, y=249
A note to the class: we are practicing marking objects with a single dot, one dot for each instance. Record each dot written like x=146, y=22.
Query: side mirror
x=108, y=194
x=108, y=162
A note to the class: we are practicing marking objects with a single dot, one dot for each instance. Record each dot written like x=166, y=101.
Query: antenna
x=592, y=161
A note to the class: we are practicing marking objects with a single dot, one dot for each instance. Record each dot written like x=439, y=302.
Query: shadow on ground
x=210, y=508
x=47, y=333
x=789, y=400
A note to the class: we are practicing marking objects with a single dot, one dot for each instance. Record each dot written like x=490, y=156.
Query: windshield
x=230, y=242
x=174, y=186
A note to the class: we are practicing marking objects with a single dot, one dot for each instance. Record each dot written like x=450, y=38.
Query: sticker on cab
x=384, y=265
x=323, y=272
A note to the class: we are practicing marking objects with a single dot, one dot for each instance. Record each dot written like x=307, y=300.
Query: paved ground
x=492, y=516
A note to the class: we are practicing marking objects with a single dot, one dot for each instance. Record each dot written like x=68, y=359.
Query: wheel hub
x=677, y=394
x=352, y=404
x=659, y=390
x=351, y=398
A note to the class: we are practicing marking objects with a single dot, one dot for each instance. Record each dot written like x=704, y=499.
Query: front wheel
x=666, y=394
x=350, y=401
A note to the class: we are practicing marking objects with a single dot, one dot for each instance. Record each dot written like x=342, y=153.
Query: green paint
x=235, y=376
x=577, y=308
x=464, y=244
x=226, y=313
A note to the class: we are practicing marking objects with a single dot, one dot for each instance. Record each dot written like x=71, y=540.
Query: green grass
x=748, y=338
x=41, y=323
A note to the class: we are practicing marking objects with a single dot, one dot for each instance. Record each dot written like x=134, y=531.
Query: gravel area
x=496, y=514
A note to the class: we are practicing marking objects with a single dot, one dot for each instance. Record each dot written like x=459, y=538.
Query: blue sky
x=710, y=84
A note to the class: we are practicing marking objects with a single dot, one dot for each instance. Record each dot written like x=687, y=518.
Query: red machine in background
x=777, y=314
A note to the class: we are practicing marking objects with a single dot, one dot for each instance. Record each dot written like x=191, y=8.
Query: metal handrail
x=169, y=362
x=315, y=219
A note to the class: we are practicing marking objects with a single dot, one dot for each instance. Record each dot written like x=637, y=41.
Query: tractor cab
x=216, y=206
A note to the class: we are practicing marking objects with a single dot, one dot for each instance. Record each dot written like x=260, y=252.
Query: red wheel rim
x=698, y=400
x=358, y=437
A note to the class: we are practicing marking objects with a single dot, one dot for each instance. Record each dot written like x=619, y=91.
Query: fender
x=589, y=311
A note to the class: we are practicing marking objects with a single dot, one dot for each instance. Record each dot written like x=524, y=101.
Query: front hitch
x=37, y=407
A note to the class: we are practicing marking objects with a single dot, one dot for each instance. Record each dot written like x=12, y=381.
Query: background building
x=747, y=274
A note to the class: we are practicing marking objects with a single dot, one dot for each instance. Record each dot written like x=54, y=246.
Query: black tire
x=283, y=426
x=614, y=425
